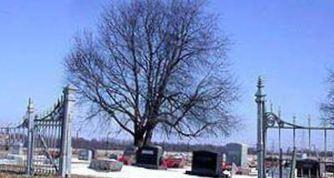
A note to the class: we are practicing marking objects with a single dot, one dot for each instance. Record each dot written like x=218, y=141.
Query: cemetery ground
x=82, y=159
x=80, y=168
x=133, y=172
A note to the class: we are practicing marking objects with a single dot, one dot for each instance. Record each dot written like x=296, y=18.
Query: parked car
x=175, y=161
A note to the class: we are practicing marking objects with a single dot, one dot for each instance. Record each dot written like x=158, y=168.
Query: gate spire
x=30, y=118
x=260, y=100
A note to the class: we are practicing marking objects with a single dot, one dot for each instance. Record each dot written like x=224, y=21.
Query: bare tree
x=156, y=65
x=327, y=107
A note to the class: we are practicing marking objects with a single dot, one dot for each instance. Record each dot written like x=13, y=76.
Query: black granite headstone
x=329, y=167
x=149, y=157
x=206, y=163
x=130, y=150
x=308, y=168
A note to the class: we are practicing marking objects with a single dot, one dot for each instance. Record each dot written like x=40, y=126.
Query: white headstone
x=16, y=148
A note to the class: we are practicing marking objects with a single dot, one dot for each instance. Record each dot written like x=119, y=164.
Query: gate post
x=66, y=132
x=260, y=100
x=30, y=145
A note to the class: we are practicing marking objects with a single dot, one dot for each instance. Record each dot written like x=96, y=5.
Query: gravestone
x=308, y=167
x=16, y=148
x=149, y=157
x=109, y=165
x=206, y=163
x=15, y=159
x=130, y=150
x=85, y=154
x=113, y=156
x=236, y=153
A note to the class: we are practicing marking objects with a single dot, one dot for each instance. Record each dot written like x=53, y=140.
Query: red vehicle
x=174, y=161
x=129, y=156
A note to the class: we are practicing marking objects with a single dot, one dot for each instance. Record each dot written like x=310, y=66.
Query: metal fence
x=41, y=144
x=12, y=154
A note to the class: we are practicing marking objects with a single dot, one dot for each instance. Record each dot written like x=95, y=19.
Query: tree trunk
x=138, y=140
x=143, y=138
x=148, y=136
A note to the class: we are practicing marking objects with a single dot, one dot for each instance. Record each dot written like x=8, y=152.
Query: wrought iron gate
x=269, y=119
x=41, y=144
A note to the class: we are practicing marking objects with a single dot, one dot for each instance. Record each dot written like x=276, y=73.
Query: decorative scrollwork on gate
x=273, y=120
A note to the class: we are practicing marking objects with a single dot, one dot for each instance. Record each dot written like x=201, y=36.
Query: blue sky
x=290, y=43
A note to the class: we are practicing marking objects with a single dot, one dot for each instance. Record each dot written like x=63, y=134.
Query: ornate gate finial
x=260, y=91
x=30, y=111
x=30, y=107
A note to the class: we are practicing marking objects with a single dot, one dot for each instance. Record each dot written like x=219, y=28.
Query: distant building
x=236, y=153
